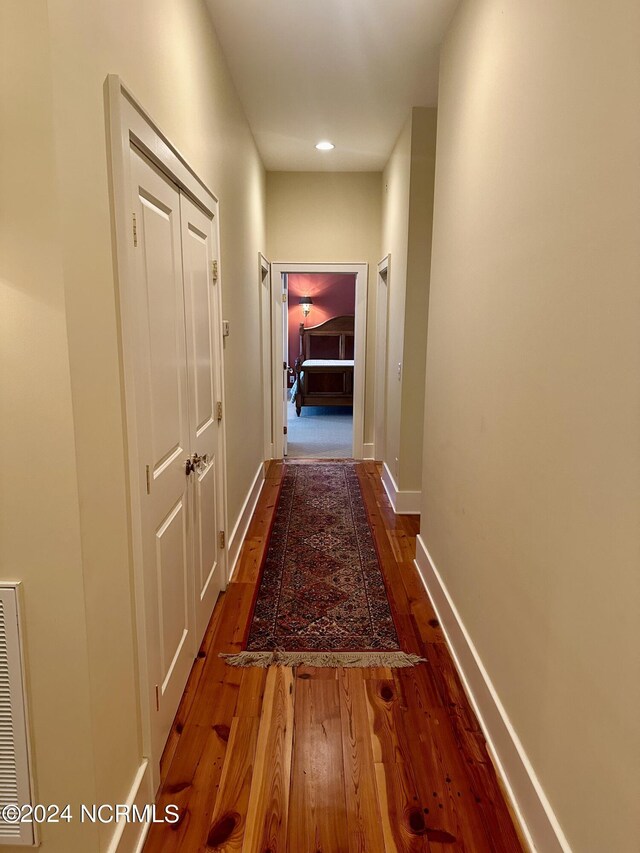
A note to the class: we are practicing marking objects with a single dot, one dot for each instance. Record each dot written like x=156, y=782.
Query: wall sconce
x=306, y=302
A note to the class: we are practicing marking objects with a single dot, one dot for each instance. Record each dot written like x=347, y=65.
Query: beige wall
x=531, y=456
x=423, y=157
x=325, y=217
x=396, y=182
x=39, y=525
x=65, y=527
x=407, y=210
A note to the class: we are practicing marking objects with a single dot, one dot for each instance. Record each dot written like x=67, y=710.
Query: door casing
x=361, y=272
x=382, y=337
x=264, y=284
x=127, y=124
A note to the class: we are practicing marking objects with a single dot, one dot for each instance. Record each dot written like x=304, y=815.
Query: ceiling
x=344, y=70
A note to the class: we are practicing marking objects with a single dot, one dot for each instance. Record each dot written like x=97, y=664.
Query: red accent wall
x=333, y=294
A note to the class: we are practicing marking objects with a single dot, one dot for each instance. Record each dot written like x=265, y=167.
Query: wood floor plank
x=317, y=672
x=443, y=785
x=193, y=777
x=229, y=818
x=317, y=817
x=398, y=731
x=251, y=693
x=492, y=808
x=403, y=826
x=364, y=826
x=400, y=805
x=268, y=809
x=426, y=622
x=190, y=693
x=237, y=604
x=250, y=560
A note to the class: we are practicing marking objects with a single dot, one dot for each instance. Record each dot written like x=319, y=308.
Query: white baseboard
x=129, y=837
x=403, y=503
x=242, y=524
x=539, y=824
x=367, y=451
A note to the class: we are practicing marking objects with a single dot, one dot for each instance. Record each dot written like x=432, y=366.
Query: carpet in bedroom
x=323, y=432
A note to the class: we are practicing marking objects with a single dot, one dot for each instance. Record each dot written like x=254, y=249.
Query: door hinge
x=148, y=481
x=221, y=540
x=157, y=698
x=214, y=271
x=135, y=231
x=284, y=297
x=284, y=430
x=219, y=410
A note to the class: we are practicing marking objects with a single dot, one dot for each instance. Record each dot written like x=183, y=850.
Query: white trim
x=265, y=301
x=12, y=594
x=127, y=123
x=533, y=810
x=222, y=434
x=242, y=524
x=402, y=503
x=144, y=132
x=381, y=357
x=129, y=837
x=361, y=272
x=368, y=451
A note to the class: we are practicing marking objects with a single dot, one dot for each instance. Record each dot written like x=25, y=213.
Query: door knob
x=195, y=463
x=198, y=462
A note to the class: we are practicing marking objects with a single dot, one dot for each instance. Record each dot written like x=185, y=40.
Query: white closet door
x=163, y=429
x=204, y=372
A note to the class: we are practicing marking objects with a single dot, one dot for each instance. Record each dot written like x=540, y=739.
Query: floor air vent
x=15, y=778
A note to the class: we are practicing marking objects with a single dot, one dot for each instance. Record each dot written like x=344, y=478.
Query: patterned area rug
x=322, y=599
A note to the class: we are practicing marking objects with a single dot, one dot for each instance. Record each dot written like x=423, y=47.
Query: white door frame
x=264, y=296
x=129, y=123
x=361, y=272
x=381, y=347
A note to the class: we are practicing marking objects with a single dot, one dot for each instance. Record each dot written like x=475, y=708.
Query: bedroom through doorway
x=318, y=333
x=321, y=359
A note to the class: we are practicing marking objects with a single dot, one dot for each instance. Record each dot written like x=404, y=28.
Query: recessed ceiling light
x=325, y=146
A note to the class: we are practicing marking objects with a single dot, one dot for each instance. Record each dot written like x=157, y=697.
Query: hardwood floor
x=325, y=760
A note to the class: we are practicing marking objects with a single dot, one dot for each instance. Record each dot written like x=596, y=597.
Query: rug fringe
x=323, y=659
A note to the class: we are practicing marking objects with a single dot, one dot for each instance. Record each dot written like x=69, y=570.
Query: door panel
x=204, y=367
x=166, y=339
x=173, y=603
x=162, y=419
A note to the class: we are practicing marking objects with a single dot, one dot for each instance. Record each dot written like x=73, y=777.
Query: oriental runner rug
x=321, y=599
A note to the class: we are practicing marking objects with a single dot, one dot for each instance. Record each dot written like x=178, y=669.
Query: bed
x=324, y=368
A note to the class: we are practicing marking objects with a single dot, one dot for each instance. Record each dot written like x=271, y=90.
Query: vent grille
x=15, y=783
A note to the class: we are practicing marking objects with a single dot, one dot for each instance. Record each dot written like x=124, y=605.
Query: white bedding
x=328, y=362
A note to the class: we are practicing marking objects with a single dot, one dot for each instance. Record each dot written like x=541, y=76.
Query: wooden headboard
x=338, y=327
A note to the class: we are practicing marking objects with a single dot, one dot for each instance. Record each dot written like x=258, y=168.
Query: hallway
x=174, y=173
x=330, y=760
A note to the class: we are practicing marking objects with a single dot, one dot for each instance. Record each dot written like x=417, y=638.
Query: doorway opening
x=321, y=357
x=319, y=325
